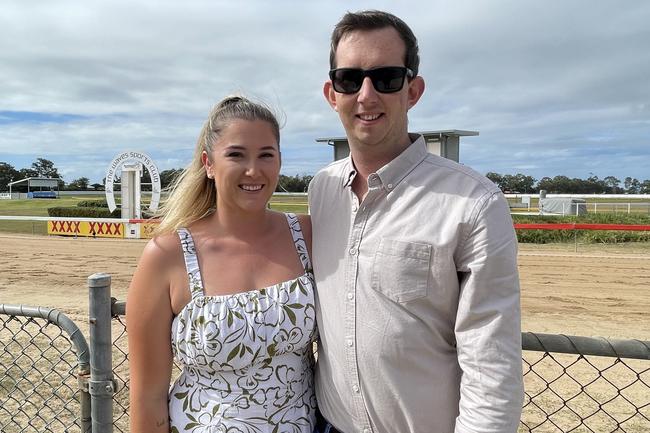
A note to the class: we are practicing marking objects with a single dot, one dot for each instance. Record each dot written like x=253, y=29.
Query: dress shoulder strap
x=299, y=241
x=191, y=262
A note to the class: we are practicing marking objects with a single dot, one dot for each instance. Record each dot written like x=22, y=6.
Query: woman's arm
x=305, y=225
x=148, y=323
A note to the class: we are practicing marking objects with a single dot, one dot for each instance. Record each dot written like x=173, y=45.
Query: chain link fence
x=121, y=375
x=572, y=384
x=580, y=384
x=43, y=361
x=121, y=367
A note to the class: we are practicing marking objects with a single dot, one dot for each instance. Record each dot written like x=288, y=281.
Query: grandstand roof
x=38, y=181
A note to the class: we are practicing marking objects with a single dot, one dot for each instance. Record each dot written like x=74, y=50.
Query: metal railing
x=572, y=384
x=575, y=384
x=44, y=372
x=628, y=208
x=600, y=207
x=577, y=209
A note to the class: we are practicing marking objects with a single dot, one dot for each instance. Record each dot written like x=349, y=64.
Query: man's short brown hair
x=375, y=20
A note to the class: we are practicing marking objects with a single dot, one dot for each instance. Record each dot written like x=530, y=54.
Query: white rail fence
x=582, y=208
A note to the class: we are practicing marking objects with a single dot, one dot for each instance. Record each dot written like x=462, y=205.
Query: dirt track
x=598, y=291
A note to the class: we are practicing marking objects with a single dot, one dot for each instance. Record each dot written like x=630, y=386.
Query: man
x=414, y=257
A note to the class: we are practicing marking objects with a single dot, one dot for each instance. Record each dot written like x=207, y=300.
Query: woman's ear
x=207, y=164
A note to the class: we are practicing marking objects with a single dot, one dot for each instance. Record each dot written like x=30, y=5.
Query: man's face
x=374, y=122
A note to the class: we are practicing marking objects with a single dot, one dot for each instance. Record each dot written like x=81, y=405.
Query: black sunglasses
x=388, y=79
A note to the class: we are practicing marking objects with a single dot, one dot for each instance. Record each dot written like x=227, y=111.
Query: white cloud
x=564, y=80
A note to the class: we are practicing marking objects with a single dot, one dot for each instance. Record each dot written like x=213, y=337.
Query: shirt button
x=355, y=388
x=366, y=430
x=350, y=343
x=389, y=186
x=353, y=251
x=350, y=296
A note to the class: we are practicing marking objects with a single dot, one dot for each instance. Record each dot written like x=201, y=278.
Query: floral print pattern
x=247, y=363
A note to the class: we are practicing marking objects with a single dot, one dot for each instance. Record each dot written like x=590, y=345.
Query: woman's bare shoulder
x=162, y=249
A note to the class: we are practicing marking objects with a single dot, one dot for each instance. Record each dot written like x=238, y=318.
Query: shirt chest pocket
x=400, y=270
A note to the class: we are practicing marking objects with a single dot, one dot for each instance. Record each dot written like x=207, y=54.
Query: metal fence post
x=84, y=399
x=101, y=385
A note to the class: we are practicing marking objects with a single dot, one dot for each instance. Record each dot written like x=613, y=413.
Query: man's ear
x=415, y=91
x=330, y=95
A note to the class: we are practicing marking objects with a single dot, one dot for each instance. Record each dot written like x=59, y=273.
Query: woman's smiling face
x=245, y=165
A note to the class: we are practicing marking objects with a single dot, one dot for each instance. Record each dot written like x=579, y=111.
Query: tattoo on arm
x=161, y=423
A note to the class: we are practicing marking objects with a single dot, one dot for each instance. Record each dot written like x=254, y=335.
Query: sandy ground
x=599, y=290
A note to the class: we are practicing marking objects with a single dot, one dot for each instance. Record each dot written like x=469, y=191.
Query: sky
x=554, y=88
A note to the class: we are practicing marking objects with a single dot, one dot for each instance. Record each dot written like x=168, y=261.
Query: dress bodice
x=246, y=358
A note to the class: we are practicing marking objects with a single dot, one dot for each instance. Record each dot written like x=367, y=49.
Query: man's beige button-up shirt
x=418, y=299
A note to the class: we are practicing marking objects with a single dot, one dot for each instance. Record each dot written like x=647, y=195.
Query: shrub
x=83, y=212
x=93, y=203
x=584, y=236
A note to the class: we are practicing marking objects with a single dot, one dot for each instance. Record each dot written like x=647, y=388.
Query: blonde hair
x=193, y=195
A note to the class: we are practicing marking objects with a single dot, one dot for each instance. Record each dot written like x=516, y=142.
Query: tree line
x=45, y=168
x=521, y=183
x=509, y=183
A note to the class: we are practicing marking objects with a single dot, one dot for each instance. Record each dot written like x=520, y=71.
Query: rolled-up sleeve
x=488, y=322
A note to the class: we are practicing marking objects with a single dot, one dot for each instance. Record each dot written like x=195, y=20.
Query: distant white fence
x=13, y=195
x=6, y=195
x=581, y=208
x=619, y=207
x=523, y=201
x=585, y=196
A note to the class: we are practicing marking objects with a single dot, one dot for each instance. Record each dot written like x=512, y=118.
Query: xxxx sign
x=85, y=228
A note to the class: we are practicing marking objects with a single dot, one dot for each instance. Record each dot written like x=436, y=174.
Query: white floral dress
x=246, y=358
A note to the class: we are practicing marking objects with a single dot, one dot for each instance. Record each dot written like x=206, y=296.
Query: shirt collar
x=392, y=173
x=349, y=173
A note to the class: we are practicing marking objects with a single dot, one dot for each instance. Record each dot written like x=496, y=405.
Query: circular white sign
x=118, y=162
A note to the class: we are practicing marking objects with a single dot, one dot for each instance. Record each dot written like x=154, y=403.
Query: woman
x=232, y=281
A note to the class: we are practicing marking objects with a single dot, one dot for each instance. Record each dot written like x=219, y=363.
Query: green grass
x=38, y=207
x=35, y=207
x=583, y=236
x=24, y=227
x=297, y=204
x=289, y=203
x=283, y=203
